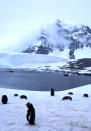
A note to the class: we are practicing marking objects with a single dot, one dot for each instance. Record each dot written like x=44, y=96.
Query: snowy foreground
x=52, y=114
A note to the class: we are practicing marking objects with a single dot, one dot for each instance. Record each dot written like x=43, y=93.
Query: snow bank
x=83, y=53
x=51, y=113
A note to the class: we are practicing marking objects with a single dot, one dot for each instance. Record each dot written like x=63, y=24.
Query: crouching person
x=30, y=114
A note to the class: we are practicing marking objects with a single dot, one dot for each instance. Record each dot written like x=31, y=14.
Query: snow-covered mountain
x=60, y=39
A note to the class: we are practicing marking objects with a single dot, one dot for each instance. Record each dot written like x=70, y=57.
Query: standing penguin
x=4, y=99
x=52, y=92
x=30, y=114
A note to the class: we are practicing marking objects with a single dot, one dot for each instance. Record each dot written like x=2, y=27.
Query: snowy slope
x=83, y=53
x=79, y=53
x=52, y=114
x=26, y=60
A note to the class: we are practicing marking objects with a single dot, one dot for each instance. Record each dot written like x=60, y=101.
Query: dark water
x=40, y=81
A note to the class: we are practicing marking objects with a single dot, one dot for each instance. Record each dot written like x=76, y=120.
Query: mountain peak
x=59, y=36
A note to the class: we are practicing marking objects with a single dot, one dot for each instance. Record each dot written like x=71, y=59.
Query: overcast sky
x=17, y=17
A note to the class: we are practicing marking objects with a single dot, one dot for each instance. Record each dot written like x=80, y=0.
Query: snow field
x=52, y=114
